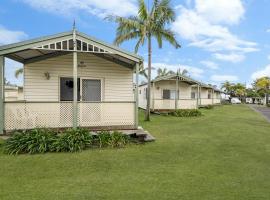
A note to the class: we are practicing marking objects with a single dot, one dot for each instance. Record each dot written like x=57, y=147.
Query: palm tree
x=18, y=72
x=183, y=72
x=227, y=86
x=146, y=25
x=164, y=72
x=263, y=84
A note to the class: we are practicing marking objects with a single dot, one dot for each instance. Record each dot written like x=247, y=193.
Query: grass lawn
x=223, y=155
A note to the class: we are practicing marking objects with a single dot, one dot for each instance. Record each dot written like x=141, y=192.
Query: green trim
x=137, y=97
x=75, y=83
x=2, y=94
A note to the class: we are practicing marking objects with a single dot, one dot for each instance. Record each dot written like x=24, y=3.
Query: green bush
x=69, y=140
x=114, y=139
x=118, y=139
x=30, y=141
x=186, y=113
x=72, y=140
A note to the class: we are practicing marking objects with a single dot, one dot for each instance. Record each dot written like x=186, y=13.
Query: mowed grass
x=224, y=154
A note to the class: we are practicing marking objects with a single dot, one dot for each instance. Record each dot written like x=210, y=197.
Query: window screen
x=193, y=95
x=91, y=90
x=166, y=94
x=66, y=89
x=209, y=94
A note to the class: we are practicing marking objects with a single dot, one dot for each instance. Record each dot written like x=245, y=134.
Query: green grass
x=224, y=154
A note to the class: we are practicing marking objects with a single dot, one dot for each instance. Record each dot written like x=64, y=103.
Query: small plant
x=30, y=141
x=118, y=139
x=186, y=113
x=103, y=139
x=72, y=140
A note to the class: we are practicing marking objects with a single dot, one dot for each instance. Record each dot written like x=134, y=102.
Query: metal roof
x=25, y=50
x=183, y=78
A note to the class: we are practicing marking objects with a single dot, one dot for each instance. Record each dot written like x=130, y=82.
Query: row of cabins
x=178, y=92
x=74, y=80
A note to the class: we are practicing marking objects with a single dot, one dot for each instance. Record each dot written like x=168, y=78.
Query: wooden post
x=2, y=94
x=75, y=82
x=176, y=92
x=212, y=96
x=198, y=88
x=136, y=97
x=153, y=96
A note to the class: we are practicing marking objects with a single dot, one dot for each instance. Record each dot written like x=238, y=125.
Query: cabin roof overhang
x=62, y=43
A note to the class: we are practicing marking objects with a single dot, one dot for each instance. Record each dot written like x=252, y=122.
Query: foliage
x=18, y=72
x=69, y=140
x=30, y=141
x=72, y=140
x=161, y=72
x=186, y=113
x=114, y=139
x=149, y=23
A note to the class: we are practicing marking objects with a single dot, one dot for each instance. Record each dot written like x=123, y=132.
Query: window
x=145, y=93
x=169, y=94
x=209, y=94
x=193, y=95
x=91, y=90
x=66, y=89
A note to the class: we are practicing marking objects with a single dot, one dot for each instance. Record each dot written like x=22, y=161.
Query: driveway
x=265, y=111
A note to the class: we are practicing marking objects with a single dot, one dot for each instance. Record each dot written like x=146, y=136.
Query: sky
x=222, y=40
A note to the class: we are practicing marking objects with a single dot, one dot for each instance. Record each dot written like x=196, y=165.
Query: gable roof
x=183, y=78
x=33, y=46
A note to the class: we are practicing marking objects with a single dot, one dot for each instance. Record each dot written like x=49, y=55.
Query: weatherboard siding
x=117, y=80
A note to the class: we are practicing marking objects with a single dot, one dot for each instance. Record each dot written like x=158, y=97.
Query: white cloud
x=232, y=57
x=100, y=8
x=221, y=11
x=261, y=73
x=221, y=78
x=209, y=64
x=9, y=36
x=268, y=30
x=204, y=26
x=193, y=71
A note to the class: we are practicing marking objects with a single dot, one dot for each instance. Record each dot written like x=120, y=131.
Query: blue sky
x=221, y=39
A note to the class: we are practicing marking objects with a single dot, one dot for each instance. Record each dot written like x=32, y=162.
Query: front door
x=90, y=106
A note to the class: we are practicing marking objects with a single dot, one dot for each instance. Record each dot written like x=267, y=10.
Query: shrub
x=30, y=141
x=114, y=139
x=186, y=113
x=72, y=140
x=103, y=139
x=118, y=139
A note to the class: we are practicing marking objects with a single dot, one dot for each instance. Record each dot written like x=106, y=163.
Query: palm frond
x=18, y=72
x=142, y=12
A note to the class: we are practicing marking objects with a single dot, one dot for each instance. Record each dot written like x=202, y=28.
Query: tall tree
x=164, y=72
x=263, y=84
x=148, y=24
x=227, y=86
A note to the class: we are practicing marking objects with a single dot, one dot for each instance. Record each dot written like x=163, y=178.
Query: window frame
x=80, y=95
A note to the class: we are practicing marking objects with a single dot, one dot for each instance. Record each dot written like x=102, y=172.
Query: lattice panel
x=24, y=115
x=28, y=115
x=68, y=45
x=206, y=101
x=106, y=114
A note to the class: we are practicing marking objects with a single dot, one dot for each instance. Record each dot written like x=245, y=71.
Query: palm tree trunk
x=147, y=112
